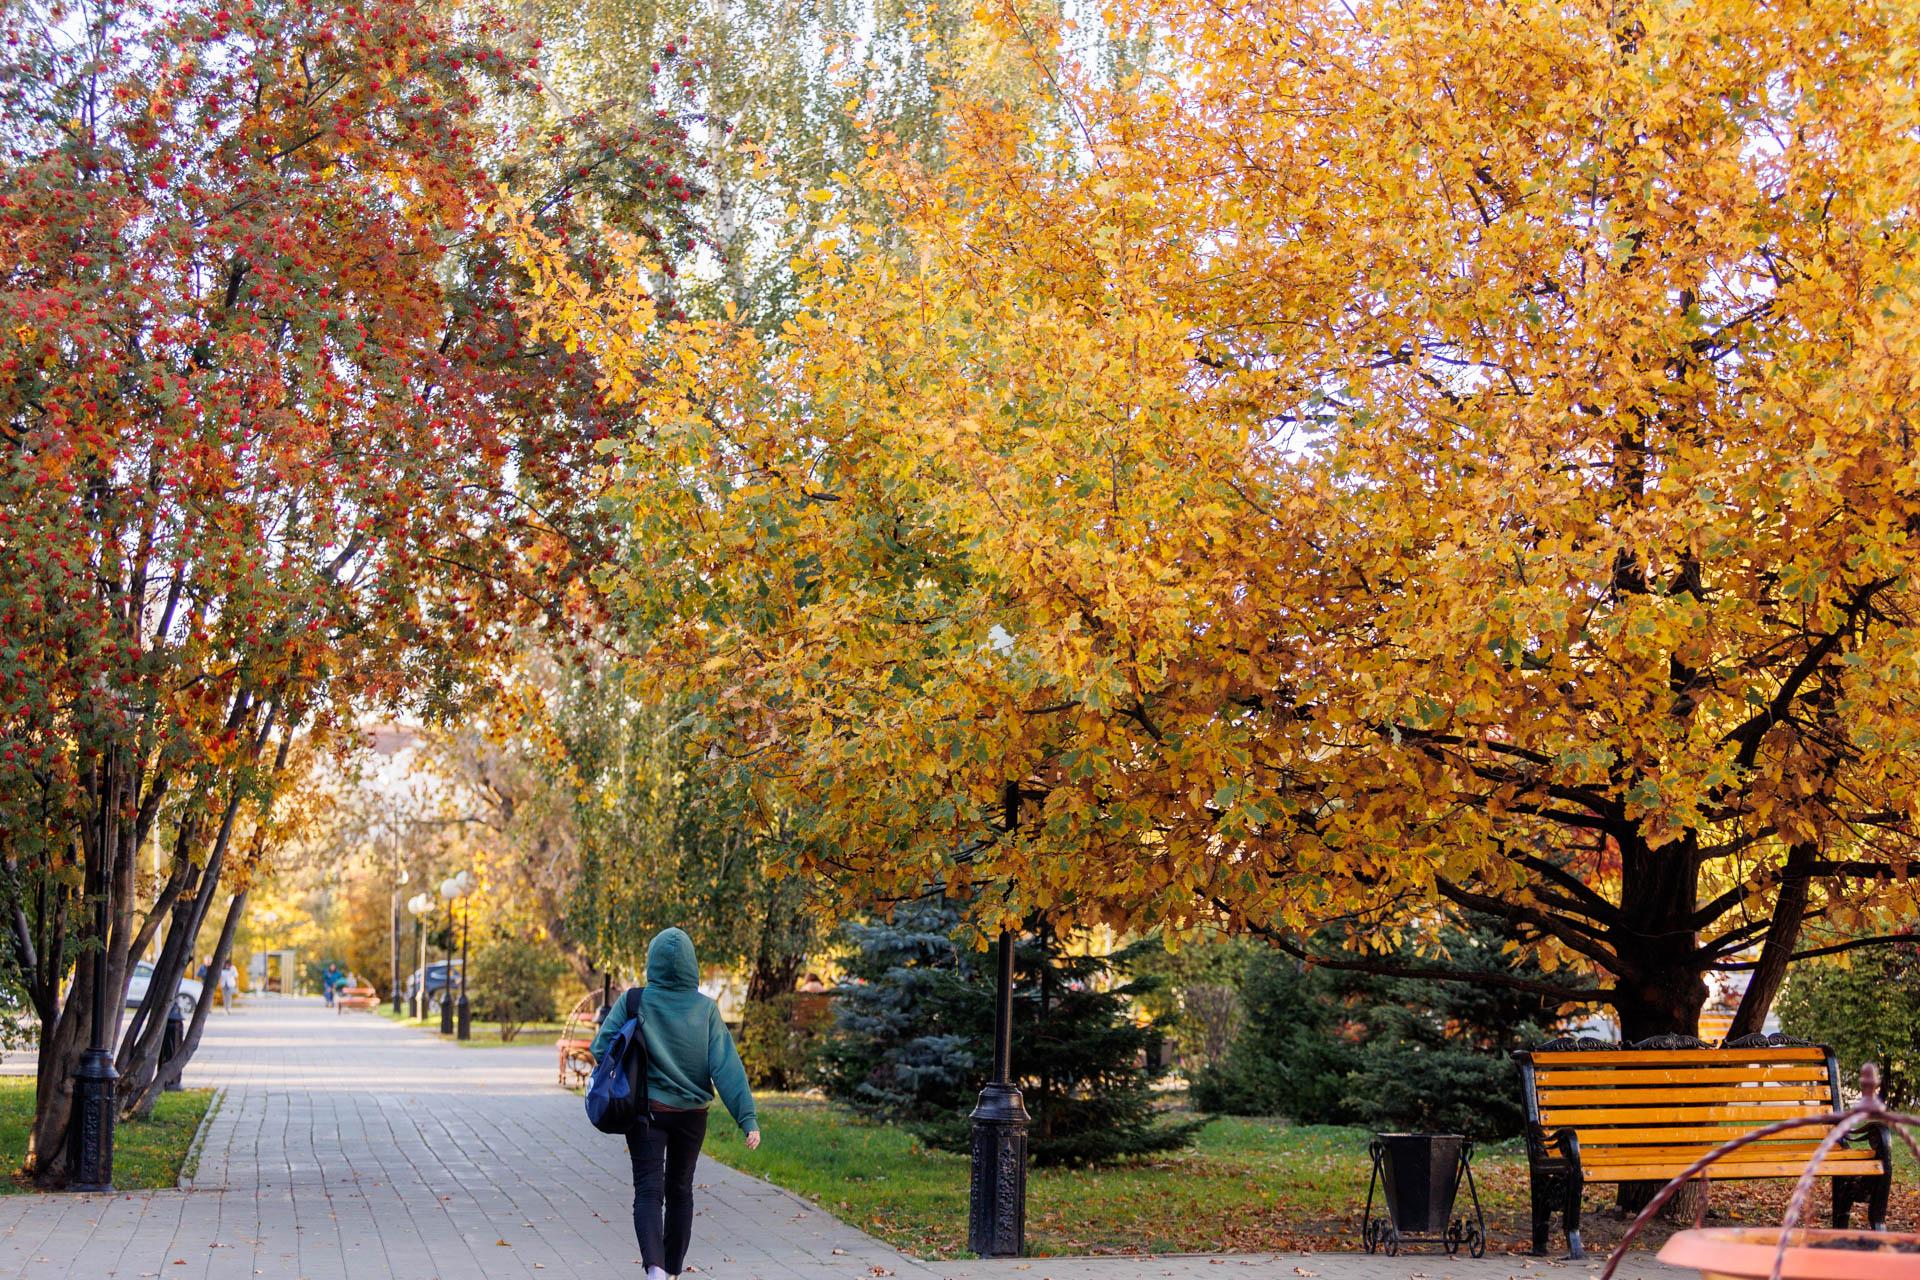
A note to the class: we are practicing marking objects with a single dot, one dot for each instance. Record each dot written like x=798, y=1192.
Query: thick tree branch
x=1752, y=731
x=1570, y=933
x=1853, y=944
x=1429, y=973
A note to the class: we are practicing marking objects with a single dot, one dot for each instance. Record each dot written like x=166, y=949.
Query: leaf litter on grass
x=1250, y=1186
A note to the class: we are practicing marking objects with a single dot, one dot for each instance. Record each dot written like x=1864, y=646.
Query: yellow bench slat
x=1685, y=1154
x=1726, y=1171
x=1674, y=1057
x=1559, y=1077
x=1704, y=1135
x=1666, y=1095
x=1752, y=1117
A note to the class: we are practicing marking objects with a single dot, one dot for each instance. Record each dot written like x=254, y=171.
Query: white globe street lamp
x=418, y=906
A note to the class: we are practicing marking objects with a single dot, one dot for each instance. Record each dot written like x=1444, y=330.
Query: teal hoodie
x=690, y=1053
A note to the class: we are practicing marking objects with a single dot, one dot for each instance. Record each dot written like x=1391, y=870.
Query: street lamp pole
x=393, y=972
x=446, y=1005
x=452, y=890
x=466, y=1011
x=90, y=1128
x=997, y=1186
x=420, y=905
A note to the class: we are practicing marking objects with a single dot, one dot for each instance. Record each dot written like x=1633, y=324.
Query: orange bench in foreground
x=1600, y=1113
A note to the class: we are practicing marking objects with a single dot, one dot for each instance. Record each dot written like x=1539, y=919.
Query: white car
x=188, y=998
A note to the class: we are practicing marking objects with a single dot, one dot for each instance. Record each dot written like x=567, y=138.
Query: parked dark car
x=440, y=976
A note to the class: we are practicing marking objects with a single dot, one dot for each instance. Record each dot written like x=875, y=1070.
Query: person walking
x=229, y=984
x=690, y=1056
x=329, y=977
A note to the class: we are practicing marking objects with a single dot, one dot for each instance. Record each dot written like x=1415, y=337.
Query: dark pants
x=664, y=1147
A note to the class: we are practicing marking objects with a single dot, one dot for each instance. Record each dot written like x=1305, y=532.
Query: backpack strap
x=630, y=1002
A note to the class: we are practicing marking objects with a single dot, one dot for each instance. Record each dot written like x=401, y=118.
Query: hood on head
x=670, y=962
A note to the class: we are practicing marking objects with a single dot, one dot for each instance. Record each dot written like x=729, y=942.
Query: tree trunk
x=140, y=1053
x=140, y=1050
x=774, y=974
x=107, y=845
x=561, y=932
x=1659, y=990
x=1783, y=935
x=170, y=1073
x=1660, y=1003
x=59, y=1057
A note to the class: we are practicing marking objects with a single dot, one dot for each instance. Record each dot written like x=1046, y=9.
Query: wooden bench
x=576, y=1041
x=355, y=998
x=1600, y=1113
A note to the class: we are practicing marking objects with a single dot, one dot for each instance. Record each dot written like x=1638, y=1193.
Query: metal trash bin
x=1419, y=1176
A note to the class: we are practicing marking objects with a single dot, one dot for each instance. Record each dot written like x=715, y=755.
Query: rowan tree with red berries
x=276, y=450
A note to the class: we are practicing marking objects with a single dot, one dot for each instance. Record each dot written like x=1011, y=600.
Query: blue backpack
x=617, y=1090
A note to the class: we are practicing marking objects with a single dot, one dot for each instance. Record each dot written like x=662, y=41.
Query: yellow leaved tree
x=1344, y=464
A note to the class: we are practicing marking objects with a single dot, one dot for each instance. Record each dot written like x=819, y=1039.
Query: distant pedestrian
x=690, y=1056
x=229, y=985
x=329, y=978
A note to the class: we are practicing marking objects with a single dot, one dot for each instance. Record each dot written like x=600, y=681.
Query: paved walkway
x=345, y=1147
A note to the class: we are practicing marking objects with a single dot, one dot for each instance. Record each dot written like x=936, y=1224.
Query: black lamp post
x=466, y=1010
x=90, y=1128
x=997, y=1187
x=997, y=1191
x=393, y=970
x=452, y=889
x=446, y=1005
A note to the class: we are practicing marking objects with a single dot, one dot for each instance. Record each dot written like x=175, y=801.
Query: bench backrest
x=1657, y=1102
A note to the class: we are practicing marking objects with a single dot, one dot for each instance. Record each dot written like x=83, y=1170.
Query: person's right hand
x=753, y=1140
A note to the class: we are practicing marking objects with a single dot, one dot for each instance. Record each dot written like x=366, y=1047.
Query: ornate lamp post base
x=997, y=1209
x=91, y=1156
x=464, y=1017
x=446, y=1014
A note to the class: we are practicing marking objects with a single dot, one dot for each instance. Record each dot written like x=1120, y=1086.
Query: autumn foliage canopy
x=1350, y=463
x=276, y=449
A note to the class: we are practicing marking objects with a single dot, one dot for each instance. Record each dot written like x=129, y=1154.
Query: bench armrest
x=1569, y=1143
x=1877, y=1140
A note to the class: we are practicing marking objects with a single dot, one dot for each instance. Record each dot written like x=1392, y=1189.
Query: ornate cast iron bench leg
x=1570, y=1215
x=1540, y=1187
x=1574, y=1182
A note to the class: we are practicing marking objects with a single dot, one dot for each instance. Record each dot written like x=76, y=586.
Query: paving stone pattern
x=345, y=1147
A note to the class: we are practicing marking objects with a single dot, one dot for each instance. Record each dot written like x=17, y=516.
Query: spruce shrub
x=1331, y=1047
x=912, y=1040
